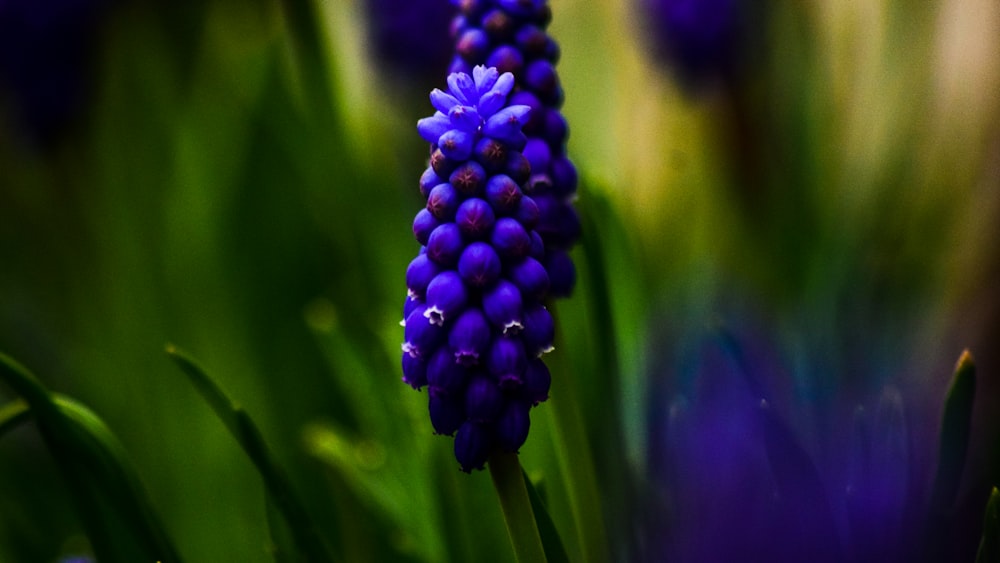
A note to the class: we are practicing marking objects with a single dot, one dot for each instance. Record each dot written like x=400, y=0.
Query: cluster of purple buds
x=510, y=36
x=475, y=325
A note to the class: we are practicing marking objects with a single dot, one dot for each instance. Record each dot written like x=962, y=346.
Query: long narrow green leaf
x=989, y=546
x=114, y=509
x=13, y=415
x=555, y=551
x=248, y=436
x=956, y=423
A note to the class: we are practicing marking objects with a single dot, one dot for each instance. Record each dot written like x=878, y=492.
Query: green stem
x=508, y=479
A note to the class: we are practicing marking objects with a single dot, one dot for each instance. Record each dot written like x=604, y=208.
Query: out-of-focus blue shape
x=411, y=37
x=699, y=40
x=45, y=52
x=752, y=465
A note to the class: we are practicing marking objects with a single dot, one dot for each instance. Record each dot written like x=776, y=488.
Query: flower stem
x=508, y=479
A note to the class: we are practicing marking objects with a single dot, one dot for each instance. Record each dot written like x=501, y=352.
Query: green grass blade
x=956, y=423
x=248, y=436
x=555, y=551
x=13, y=415
x=115, y=511
x=989, y=546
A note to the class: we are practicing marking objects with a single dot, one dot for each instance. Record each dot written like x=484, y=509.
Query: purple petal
x=431, y=128
x=442, y=101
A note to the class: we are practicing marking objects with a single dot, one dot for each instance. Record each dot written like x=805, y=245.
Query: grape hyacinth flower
x=510, y=35
x=474, y=323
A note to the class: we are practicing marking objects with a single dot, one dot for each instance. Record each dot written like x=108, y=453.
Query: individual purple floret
x=475, y=323
x=510, y=35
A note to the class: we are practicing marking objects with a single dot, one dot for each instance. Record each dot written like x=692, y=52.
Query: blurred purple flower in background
x=411, y=38
x=45, y=52
x=753, y=461
x=698, y=40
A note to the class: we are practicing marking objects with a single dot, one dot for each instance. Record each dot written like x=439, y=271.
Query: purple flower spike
x=473, y=44
x=503, y=194
x=475, y=218
x=492, y=154
x=469, y=337
x=512, y=426
x=408, y=306
x=444, y=374
x=562, y=273
x=456, y=144
x=499, y=25
x=511, y=36
x=518, y=168
x=506, y=124
x=414, y=371
x=473, y=444
x=496, y=96
x=555, y=129
x=510, y=239
x=444, y=245
x=528, y=212
x=441, y=164
x=465, y=118
x=538, y=253
x=431, y=128
x=479, y=265
x=442, y=202
x=422, y=337
x=537, y=381
x=468, y=179
x=503, y=307
x=531, y=40
x=522, y=7
x=531, y=278
x=447, y=412
x=428, y=180
x=419, y=275
x=538, y=153
x=506, y=362
x=463, y=87
x=483, y=399
x=506, y=58
x=423, y=225
x=443, y=101
x=541, y=77
x=539, y=332
x=446, y=297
